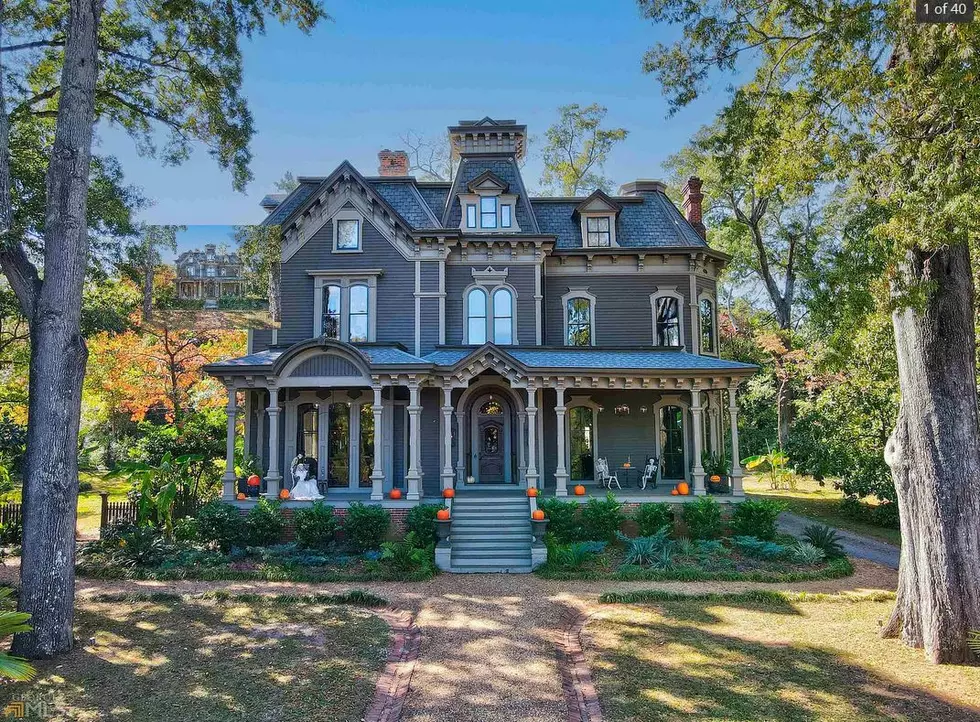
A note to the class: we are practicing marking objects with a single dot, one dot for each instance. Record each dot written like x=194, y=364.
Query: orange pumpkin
x=683, y=489
x=532, y=492
x=442, y=514
x=537, y=515
x=448, y=493
x=284, y=494
x=673, y=492
x=715, y=478
x=395, y=494
x=253, y=480
x=241, y=496
x=579, y=490
x=627, y=465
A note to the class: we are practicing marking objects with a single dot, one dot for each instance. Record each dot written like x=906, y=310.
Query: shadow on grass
x=651, y=667
x=216, y=661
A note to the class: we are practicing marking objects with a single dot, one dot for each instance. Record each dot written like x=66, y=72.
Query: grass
x=821, y=503
x=259, y=573
x=89, y=502
x=163, y=658
x=767, y=656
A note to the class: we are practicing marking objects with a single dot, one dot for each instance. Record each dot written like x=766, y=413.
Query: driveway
x=855, y=545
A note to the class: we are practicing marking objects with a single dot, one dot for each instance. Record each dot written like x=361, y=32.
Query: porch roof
x=596, y=358
x=538, y=358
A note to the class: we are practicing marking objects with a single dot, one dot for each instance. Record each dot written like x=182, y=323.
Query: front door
x=672, y=441
x=491, y=455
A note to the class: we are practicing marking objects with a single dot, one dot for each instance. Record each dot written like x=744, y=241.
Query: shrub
x=759, y=548
x=572, y=556
x=12, y=533
x=805, y=553
x=601, y=518
x=365, y=527
x=645, y=550
x=140, y=546
x=186, y=530
x=84, y=486
x=703, y=518
x=316, y=526
x=825, y=538
x=756, y=517
x=563, y=519
x=221, y=524
x=408, y=557
x=265, y=523
x=421, y=521
x=651, y=518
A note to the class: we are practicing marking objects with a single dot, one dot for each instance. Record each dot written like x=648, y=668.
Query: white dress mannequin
x=304, y=488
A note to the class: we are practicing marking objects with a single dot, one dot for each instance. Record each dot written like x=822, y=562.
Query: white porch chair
x=605, y=478
x=651, y=472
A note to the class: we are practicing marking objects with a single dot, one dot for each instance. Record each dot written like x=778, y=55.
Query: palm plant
x=11, y=623
x=774, y=465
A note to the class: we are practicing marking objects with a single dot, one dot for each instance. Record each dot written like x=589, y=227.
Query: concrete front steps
x=491, y=534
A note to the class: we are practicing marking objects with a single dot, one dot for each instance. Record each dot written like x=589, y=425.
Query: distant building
x=209, y=275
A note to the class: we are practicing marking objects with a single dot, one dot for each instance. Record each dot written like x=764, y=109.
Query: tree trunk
x=784, y=411
x=934, y=455
x=58, y=356
x=148, y=285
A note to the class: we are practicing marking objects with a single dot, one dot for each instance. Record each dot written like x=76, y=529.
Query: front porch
x=479, y=418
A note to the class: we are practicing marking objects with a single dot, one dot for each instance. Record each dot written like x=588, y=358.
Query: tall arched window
x=707, y=313
x=668, y=324
x=331, y=311
x=503, y=317
x=476, y=316
x=358, y=317
x=581, y=443
x=578, y=321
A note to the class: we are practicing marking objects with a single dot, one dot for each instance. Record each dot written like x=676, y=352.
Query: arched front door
x=490, y=457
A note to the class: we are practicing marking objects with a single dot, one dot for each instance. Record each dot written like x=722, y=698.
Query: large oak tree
x=143, y=66
x=902, y=103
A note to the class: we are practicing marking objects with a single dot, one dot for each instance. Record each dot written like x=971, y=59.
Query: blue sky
x=383, y=67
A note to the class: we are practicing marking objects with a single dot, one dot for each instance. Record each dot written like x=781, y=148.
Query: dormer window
x=505, y=215
x=488, y=212
x=471, y=215
x=598, y=234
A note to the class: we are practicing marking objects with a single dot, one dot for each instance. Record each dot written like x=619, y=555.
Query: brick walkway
x=576, y=677
x=394, y=682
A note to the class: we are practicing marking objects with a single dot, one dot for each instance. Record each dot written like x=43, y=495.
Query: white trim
x=669, y=292
x=442, y=301
x=706, y=295
x=489, y=282
x=348, y=215
x=576, y=402
x=578, y=293
x=538, y=298
x=367, y=278
x=418, y=308
x=474, y=437
x=584, y=220
x=685, y=407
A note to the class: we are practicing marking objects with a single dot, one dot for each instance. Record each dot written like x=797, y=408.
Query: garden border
x=393, y=684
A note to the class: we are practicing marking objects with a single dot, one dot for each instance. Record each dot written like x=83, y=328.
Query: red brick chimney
x=392, y=163
x=692, y=204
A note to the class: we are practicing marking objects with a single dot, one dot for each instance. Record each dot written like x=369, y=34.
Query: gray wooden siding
x=429, y=324
x=261, y=339
x=623, y=313
x=431, y=440
x=429, y=276
x=398, y=464
x=326, y=366
x=396, y=287
x=458, y=278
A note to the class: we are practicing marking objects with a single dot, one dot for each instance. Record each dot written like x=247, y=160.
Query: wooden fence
x=10, y=512
x=116, y=512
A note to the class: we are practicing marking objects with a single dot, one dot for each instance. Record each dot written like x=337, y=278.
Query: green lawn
x=89, y=502
x=214, y=661
x=822, y=503
x=777, y=659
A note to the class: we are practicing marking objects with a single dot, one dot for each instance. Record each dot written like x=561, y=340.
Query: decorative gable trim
x=489, y=275
x=488, y=181
x=598, y=202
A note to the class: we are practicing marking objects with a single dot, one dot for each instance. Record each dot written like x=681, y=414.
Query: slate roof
x=292, y=202
x=595, y=358
x=389, y=355
x=383, y=355
x=261, y=358
x=435, y=196
x=405, y=198
x=504, y=168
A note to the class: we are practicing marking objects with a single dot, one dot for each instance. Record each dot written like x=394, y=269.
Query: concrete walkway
x=855, y=545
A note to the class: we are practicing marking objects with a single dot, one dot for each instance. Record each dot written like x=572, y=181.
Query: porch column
x=460, y=450
x=521, y=451
x=736, y=466
x=272, y=478
x=414, y=477
x=228, y=489
x=377, y=475
x=697, y=472
x=561, y=473
x=447, y=437
x=532, y=432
